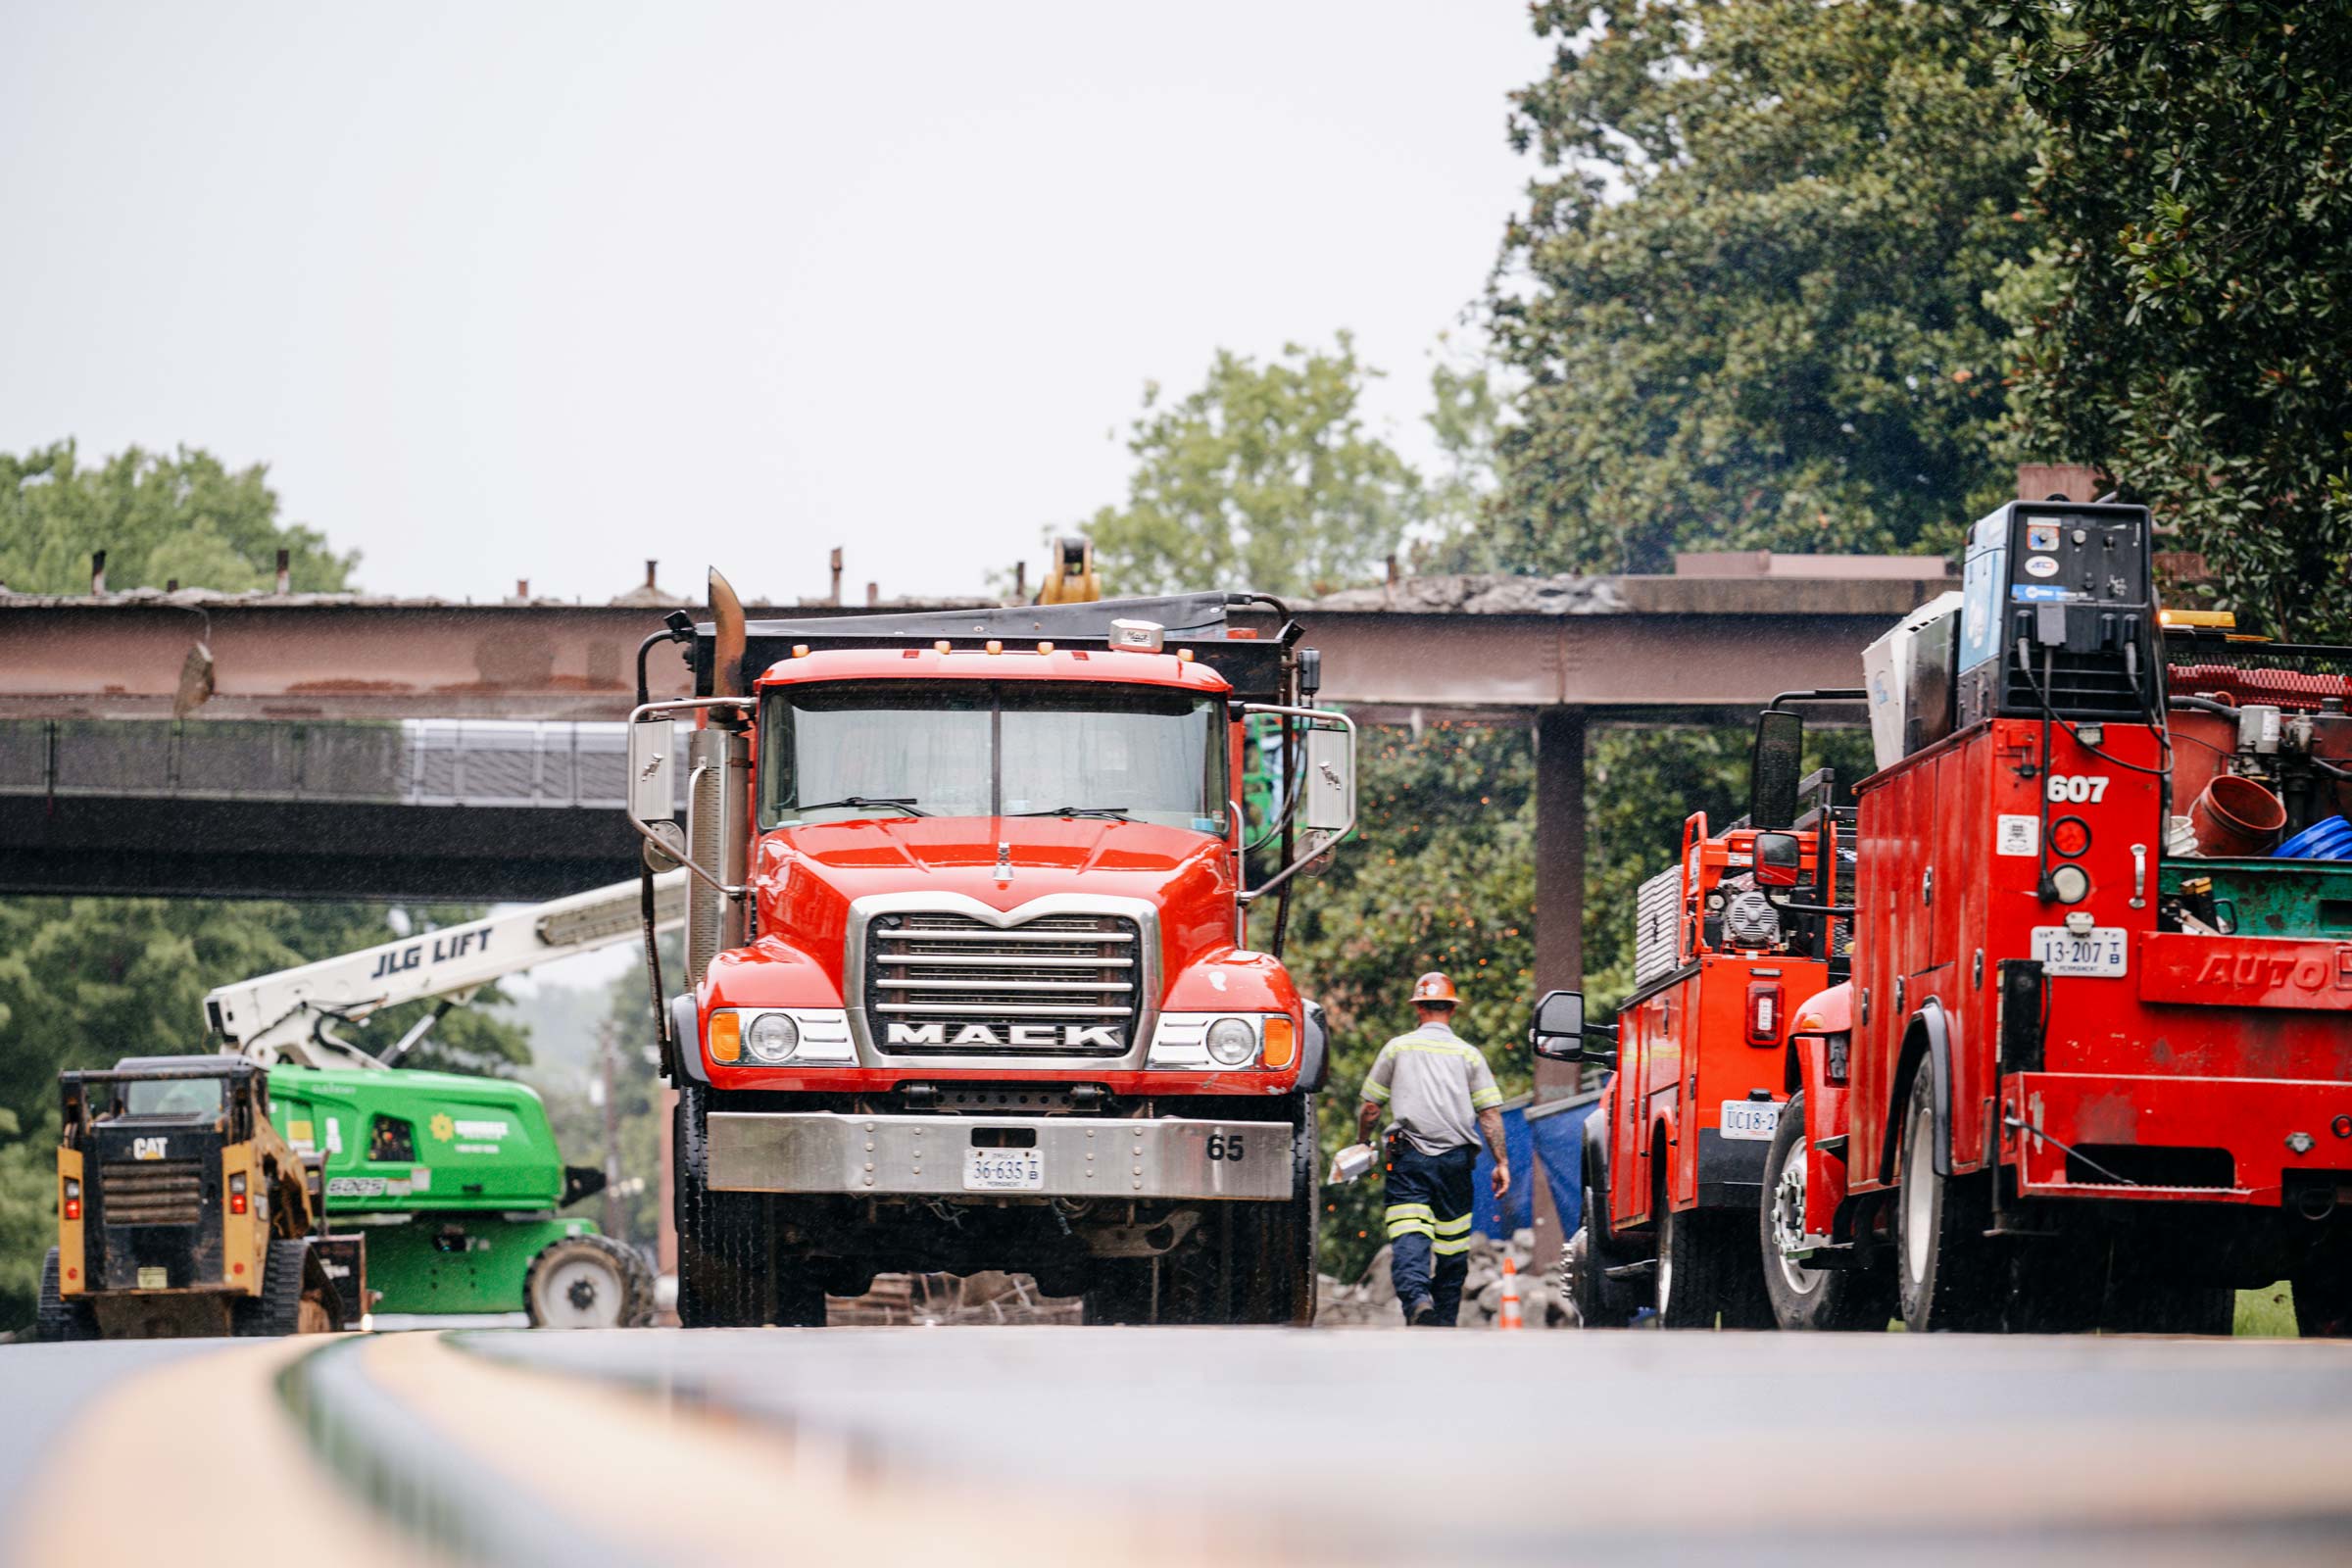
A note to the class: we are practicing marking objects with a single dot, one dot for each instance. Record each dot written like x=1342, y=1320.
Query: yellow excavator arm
x=1071, y=579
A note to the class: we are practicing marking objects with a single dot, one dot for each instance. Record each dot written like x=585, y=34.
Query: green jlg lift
x=455, y=1180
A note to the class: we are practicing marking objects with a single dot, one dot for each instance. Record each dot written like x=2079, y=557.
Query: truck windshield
x=978, y=750
x=172, y=1096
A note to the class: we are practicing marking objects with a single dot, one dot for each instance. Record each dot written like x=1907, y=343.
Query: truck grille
x=151, y=1191
x=1060, y=985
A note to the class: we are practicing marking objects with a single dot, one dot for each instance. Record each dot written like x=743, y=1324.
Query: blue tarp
x=1554, y=1135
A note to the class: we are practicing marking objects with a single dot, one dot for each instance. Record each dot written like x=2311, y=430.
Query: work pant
x=1429, y=1225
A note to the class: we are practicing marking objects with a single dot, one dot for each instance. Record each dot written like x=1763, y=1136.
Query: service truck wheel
x=1834, y=1299
x=1601, y=1303
x=2324, y=1301
x=1945, y=1268
x=588, y=1282
x=1707, y=1267
x=2145, y=1294
x=2057, y=1284
x=60, y=1319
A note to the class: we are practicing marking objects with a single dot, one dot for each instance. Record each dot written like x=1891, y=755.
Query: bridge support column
x=1559, y=914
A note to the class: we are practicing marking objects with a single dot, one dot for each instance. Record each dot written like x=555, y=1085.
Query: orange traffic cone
x=1510, y=1318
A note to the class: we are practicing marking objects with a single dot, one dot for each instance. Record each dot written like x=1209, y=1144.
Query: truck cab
x=1674, y=1155
x=973, y=983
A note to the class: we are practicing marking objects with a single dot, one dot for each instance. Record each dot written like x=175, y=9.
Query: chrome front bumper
x=821, y=1151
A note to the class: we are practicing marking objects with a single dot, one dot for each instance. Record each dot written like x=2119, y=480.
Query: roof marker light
x=939, y=647
x=1183, y=656
x=799, y=650
x=1138, y=636
x=994, y=647
x=1045, y=648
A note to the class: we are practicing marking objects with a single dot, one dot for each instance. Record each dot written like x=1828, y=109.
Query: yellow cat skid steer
x=181, y=1210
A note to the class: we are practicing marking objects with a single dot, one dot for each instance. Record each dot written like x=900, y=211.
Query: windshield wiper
x=1120, y=811
x=904, y=803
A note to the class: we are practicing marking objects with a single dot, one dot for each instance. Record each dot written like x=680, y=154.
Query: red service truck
x=1674, y=1155
x=2093, y=1066
x=969, y=979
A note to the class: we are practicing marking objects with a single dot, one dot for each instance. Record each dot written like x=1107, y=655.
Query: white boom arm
x=281, y=1017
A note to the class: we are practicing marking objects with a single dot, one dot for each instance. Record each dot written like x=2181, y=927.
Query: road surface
x=1029, y=1446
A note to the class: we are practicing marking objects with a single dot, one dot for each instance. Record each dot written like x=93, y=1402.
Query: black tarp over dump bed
x=1250, y=658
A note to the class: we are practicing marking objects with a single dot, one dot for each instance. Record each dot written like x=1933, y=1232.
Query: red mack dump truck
x=1674, y=1155
x=970, y=983
x=2094, y=1066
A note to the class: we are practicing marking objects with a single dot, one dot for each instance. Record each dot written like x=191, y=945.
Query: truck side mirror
x=1558, y=1032
x=653, y=769
x=1779, y=860
x=653, y=783
x=1327, y=794
x=1776, y=768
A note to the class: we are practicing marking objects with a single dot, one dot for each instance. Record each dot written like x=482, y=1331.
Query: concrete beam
x=1664, y=643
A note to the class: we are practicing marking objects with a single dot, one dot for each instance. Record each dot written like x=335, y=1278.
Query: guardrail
x=474, y=762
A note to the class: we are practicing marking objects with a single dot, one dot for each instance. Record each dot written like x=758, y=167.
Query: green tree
x=1264, y=478
x=156, y=517
x=1746, y=300
x=2188, y=326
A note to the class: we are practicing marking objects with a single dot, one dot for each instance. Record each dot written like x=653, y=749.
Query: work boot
x=1421, y=1313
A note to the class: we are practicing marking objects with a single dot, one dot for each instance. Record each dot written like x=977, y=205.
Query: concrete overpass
x=309, y=774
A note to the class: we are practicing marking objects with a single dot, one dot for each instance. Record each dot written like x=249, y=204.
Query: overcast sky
x=539, y=291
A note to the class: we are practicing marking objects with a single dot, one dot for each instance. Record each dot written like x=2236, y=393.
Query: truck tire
x=2323, y=1301
x=1946, y=1272
x=1281, y=1253
x=588, y=1282
x=59, y=1319
x=1820, y=1299
x=1199, y=1276
x=2057, y=1285
x=1601, y=1303
x=1120, y=1290
x=1708, y=1267
x=727, y=1269
x=295, y=1297
x=2145, y=1294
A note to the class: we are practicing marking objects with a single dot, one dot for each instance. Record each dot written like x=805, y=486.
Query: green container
x=2261, y=896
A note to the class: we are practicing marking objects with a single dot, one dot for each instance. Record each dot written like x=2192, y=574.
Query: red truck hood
x=808, y=876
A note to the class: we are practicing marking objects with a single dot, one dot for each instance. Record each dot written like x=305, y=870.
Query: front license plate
x=1752, y=1119
x=2101, y=953
x=1003, y=1170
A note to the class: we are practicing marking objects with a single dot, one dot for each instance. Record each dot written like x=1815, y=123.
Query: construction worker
x=1442, y=1097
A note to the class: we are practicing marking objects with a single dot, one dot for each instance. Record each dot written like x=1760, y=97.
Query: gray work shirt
x=1435, y=1083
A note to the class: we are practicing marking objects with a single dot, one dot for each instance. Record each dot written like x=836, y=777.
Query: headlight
x=772, y=1038
x=1232, y=1042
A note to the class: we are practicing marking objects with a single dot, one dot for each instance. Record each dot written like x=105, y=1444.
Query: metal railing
x=471, y=762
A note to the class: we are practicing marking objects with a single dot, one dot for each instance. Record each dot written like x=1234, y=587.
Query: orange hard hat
x=1434, y=990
